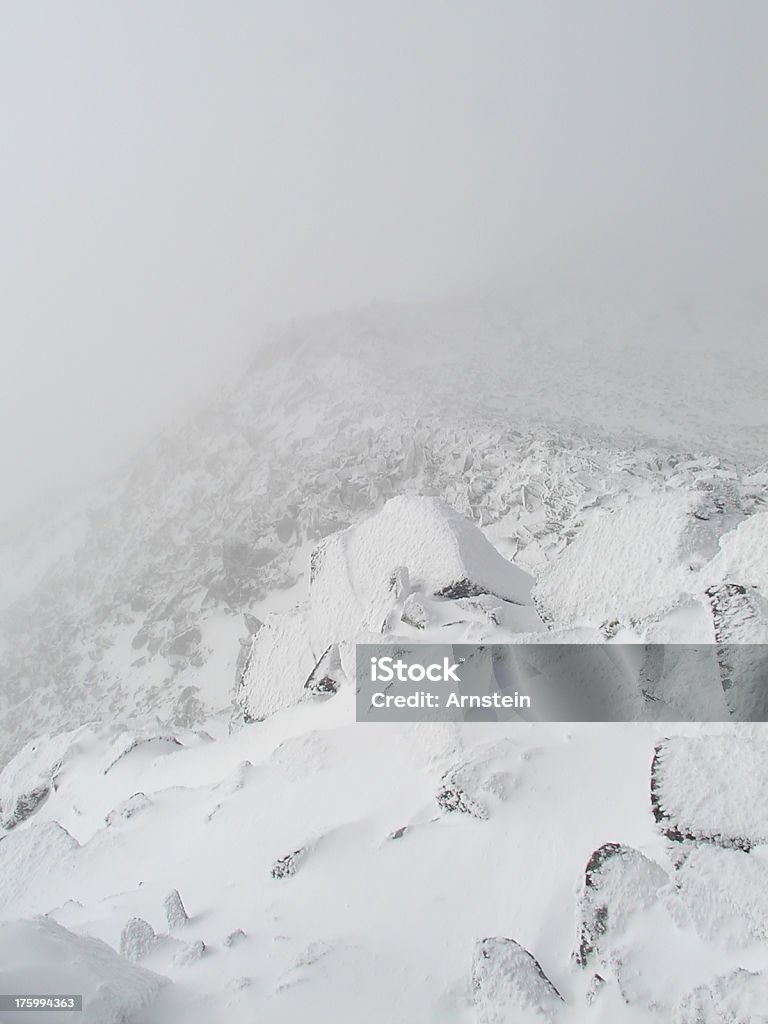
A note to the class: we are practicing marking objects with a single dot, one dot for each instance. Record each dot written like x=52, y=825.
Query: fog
x=175, y=175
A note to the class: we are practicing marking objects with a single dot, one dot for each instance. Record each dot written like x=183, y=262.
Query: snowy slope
x=177, y=702
x=508, y=421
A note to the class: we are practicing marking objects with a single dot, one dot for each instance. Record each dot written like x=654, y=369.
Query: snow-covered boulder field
x=417, y=568
x=497, y=871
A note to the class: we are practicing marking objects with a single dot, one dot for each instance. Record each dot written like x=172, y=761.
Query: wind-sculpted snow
x=40, y=956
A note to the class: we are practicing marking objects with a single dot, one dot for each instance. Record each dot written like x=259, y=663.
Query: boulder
x=277, y=667
x=619, y=882
x=509, y=985
x=28, y=778
x=740, y=997
x=711, y=789
x=137, y=939
x=288, y=865
x=175, y=912
x=445, y=556
x=724, y=894
x=632, y=562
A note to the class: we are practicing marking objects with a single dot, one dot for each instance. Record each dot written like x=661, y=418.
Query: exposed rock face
x=452, y=798
x=711, y=789
x=509, y=985
x=740, y=621
x=28, y=778
x=24, y=806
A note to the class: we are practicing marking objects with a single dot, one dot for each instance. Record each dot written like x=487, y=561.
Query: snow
x=333, y=871
x=41, y=957
x=439, y=548
x=737, y=998
x=630, y=562
x=743, y=555
x=714, y=786
x=278, y=664
x=509, y=984
x=724, y=893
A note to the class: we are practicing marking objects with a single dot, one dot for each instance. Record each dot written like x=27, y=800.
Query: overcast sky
x=174, y=174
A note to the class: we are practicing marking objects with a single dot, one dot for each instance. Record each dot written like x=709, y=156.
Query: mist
x=177, y=175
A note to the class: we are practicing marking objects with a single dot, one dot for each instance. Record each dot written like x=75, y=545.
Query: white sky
x=174, y=174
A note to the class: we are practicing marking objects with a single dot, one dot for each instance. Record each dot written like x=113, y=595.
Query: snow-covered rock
x=740, y=997
x=724, y=893
x=630, y=562
x=445, y=554
x=137, y=939
x=175, y=912
x=509, y=985
x=619, y=882
x=26, y=780
x=190, y=953
x=40, y=956
x=712, y=788
x=278, y=665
